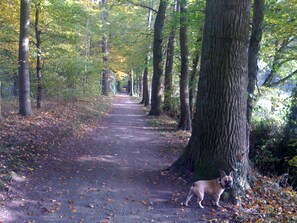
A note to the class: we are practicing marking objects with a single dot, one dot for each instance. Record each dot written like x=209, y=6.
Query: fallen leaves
x=25, y=140
x=268, y=203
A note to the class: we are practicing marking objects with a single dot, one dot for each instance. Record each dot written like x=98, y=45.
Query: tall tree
x=193, y=81
x=185, y=114
x=131, y=82
x=105, y=52
x=219, y=126
x=158, y=59
x=145, y=89
x=168, y=88
x=23, y=63
x=38, y=32
x=1, y=117
x=254, y=48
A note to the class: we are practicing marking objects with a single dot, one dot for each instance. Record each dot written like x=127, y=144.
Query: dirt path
x=113, y=175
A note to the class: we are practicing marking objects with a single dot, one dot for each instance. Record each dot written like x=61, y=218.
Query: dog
x=215, y=187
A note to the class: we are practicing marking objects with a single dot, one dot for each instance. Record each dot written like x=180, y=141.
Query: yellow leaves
x=121, y=75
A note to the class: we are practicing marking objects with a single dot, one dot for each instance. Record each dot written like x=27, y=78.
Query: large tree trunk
x=38, y=57
x=157, y=59
x=219, y=126
x=168, y=66
x=23, y=63
x=254, y=47
x=185, y=114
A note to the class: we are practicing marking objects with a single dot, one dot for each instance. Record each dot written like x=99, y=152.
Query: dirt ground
x=115, y=174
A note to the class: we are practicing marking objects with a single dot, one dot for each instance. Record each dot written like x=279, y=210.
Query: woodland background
x=77, y=42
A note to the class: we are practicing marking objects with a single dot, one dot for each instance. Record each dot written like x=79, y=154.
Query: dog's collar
x=220, y=182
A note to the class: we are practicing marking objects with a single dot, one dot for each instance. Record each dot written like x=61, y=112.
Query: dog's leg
x=190, y=195
x=217, y=199
x=200, y=199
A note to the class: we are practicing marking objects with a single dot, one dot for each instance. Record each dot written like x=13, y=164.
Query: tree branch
x=283, y=80
x=143, y=6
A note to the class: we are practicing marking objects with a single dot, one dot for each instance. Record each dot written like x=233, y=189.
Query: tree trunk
x=145, y=94
x=145, y=88
x=185, y=115
x=1, y=117
x=131, y=83
x=219, y=126
x=168, y=67
x=105, y=52
x=157, y=59
x=193, y=82
x=254, y=47
x=23, y=63
x=38, y=57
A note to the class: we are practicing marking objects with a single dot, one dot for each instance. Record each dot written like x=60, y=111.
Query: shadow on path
x=114, y=174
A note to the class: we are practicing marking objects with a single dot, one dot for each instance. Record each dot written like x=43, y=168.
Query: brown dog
x=215, y=187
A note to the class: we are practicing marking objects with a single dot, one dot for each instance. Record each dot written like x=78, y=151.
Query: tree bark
x=193, y=82
x=1, y=117
x=105, y=52
x=158, y=59
x=145, y=89
x=168, y=66
x=185, y=114
x=254, y=48
x=38, y=57
x=23, y=63
x=219, y=126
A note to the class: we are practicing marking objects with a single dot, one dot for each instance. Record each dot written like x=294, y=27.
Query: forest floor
x=103, y=160
x=111, y=170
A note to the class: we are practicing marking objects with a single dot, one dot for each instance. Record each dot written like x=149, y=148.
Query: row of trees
x=80, y=47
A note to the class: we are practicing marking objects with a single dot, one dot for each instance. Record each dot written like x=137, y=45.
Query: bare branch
x=143, y=6
x=284, y=79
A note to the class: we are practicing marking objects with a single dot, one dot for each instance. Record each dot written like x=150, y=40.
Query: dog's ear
x=222, y=172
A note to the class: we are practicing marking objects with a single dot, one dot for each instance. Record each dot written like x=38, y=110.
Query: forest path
x=114, y=174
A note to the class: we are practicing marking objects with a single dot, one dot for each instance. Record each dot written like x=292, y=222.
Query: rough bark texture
x=254, y=47
x=158, y=59
x=219, y=126
x=185, y=114
x=23, y=63
x=168, y=67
